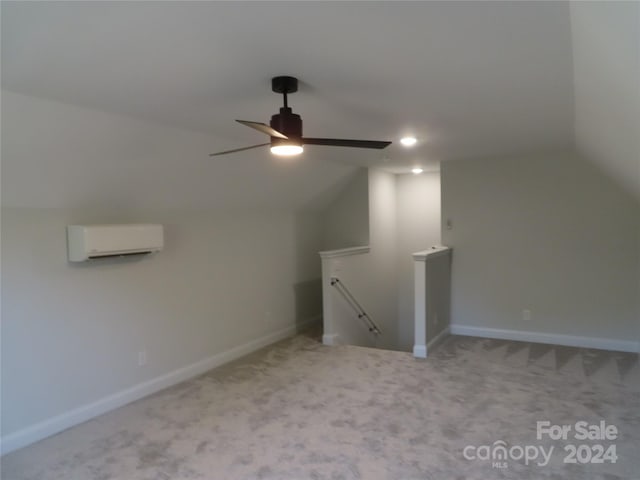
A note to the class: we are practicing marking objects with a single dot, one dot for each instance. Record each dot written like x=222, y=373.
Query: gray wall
x=380, y=281
x=546, y=233
x=438, y=295
x=71, y=333
x=401, y=216
x=605, y=37
x=417, y=228
x=346, y=220
x=240, y=262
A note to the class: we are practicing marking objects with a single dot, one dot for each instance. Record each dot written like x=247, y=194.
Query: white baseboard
x=51, y=426
x=553, y=338
x=420, y=351
x=438, y=337
x=331, y=339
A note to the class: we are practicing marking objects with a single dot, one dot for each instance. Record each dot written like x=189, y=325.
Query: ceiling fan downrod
x=286, y=121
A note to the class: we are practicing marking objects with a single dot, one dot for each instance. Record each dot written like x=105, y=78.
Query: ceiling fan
x=285, y=128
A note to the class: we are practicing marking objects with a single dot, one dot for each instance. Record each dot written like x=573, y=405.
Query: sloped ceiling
x=606, y=63
x=57, y=155
x=469, y=79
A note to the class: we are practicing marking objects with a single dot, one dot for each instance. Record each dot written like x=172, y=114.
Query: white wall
x=71, y=333
x=371, y=276
x=346, y=220
x=417, y=228
x=240, y=265
x=347, y=276
x=606, y=66
x=403, y=218
x=382, y=239
x=549, y=234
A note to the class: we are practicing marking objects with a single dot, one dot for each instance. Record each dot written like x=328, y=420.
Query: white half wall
x=547, y=234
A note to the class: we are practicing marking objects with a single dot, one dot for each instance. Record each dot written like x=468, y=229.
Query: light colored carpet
x=300, y=410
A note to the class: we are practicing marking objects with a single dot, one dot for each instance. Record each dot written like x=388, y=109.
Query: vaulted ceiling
x=468, y=79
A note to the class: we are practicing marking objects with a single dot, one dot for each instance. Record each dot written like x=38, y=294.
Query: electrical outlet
x=526, y=315
x=142, y=358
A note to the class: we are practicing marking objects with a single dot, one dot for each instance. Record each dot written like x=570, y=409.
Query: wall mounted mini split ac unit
x=86, y=242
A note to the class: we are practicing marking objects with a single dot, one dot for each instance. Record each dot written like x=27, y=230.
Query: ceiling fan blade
x=238, y=149
x=262, y=127
x=337, y=142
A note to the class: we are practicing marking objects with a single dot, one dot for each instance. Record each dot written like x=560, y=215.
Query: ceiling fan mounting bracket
x=284, y=84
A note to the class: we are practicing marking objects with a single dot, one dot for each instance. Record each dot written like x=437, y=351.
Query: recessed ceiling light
x=416, y=171
x=408, y=141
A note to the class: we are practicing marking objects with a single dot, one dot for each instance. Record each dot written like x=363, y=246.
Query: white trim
x=344, y=252
x=420, y=351
x=420, y=308
x=81, y=414
x=553, y=338
x=331, y=339
x=438, y=338
x=435, y=251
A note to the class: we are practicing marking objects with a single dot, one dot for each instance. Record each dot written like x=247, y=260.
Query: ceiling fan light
x=287, y=150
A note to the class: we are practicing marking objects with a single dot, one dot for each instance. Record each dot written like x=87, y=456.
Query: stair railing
x=360, y=312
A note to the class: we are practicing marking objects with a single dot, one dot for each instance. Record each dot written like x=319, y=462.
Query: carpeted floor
x=300, y=410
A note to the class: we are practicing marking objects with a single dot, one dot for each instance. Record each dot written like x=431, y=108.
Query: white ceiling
x=469, y=79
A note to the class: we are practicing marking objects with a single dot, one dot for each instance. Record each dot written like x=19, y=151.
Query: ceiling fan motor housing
x=288, y=123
